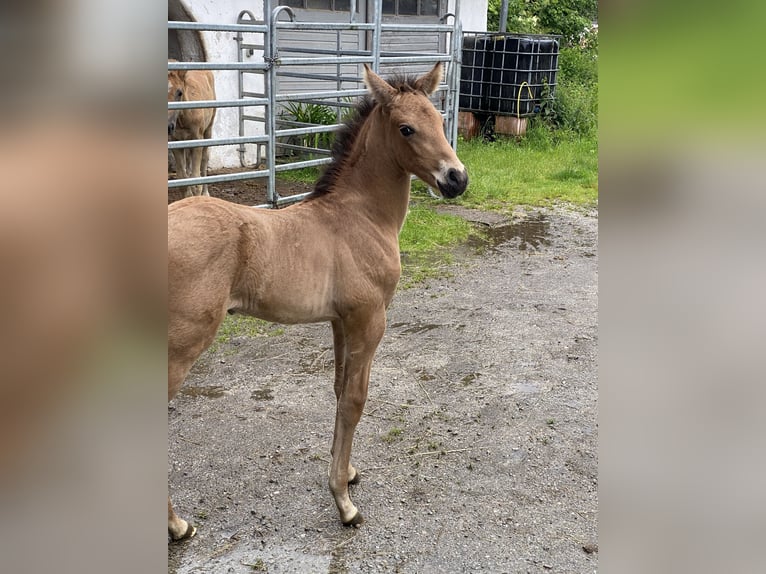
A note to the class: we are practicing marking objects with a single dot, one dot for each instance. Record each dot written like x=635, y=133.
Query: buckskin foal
x=333, y=257
x=191, y=123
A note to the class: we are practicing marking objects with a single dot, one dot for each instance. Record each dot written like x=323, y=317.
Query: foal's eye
x=407, y=131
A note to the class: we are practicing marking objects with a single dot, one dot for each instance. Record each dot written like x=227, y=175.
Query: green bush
x=316, y=114
x=574, y=107
x=579, y=65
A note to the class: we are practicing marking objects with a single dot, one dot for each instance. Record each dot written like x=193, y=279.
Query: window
x=411, y=7
x=390, y=7
x=332, y=5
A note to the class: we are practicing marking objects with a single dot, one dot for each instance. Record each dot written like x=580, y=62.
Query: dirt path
x=478, y=450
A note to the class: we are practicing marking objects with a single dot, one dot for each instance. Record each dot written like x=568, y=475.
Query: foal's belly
x=289, y=307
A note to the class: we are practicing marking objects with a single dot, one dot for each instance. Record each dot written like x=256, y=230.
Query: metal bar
x=377, y=7
x=217, y=66
x=303, y=164
x=323, y=60
x=503, y=15
x=457, y=59
x=256, y=28
x=283, y=201
x=185, y=144
x=241, y=89
x=427, y=58
x=308, y=130
x=323, y=77
x=325, y=26
x=218, y=178
x=320, y=95
x=271, y=128
x=332, y=104
x=193, y=104
x=296, y=50
x=306, y=149
x=387, y=27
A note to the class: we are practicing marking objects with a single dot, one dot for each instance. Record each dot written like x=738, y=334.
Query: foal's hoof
x=190, y=531
x=356, y=522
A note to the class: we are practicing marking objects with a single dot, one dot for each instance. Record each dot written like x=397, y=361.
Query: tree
x=570, y=18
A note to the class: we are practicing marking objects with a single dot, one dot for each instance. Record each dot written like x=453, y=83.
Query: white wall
x=473, y=14
x=221, y=47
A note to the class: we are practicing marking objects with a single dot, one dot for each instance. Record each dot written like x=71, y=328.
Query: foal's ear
x=431, y=80
x=380, y=89
x=181, y=74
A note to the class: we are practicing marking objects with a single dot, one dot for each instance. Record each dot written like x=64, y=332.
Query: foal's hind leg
x=361, y=334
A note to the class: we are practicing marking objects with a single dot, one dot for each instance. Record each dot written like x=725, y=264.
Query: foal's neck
x=374, y=175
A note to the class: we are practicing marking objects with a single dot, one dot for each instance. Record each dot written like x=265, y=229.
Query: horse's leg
x=207, y=134
x=339, y=346
x=203, y=168
x=362, y=333
x=196, y=163
x=179, y=155
x=187, y=340
x=178, y=528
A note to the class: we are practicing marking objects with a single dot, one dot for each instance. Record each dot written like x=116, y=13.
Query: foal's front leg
x=360, y=337
x=339, y=346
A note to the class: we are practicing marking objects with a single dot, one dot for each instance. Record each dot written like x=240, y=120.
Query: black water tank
x=516, y=69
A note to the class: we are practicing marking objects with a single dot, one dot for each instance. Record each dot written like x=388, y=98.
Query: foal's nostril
x=453, y=176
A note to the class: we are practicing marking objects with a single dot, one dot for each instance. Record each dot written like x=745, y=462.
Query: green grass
x=539, y=170
x=425, y=242
x=243, y=326
x=305, y=175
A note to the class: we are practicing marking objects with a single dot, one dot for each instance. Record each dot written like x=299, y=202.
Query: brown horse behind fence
x=191, y=124
x=333, y=257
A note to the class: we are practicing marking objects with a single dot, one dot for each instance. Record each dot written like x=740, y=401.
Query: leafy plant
x=570, y=18
x=312, y=114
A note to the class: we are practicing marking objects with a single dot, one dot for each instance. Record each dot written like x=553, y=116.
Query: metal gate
x=333, y=77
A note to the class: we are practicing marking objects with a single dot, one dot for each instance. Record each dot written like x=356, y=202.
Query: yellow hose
x=518, y=99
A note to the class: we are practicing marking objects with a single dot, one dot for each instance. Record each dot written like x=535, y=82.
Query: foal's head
x=415, y=130
x=175, y=94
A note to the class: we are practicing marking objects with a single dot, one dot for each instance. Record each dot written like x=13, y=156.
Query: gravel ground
x=478, y=447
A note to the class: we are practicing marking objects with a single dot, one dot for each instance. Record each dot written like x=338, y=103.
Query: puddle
x=531, y=232
x=266, y=394
x=210, y=392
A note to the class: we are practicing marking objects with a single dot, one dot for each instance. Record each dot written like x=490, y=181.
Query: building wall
x=221, y=47
x=473, y=14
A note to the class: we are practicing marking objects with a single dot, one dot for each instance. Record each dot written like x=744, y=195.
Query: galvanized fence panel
x=285, y=141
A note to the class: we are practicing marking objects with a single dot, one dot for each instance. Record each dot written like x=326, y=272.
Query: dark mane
x=346, y=136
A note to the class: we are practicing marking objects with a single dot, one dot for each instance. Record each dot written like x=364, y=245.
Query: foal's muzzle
x=454, y=184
